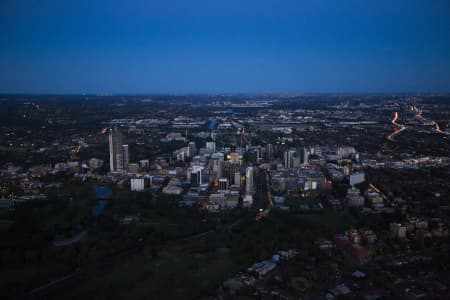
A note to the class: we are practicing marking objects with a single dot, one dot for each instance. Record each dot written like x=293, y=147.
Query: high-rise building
x=291, y=159
x=192, y=149
x=235, y=157
x=137, y=184
x=133, y=168
x=237, y=178
x=196, y=175
x=354, y=198
x=144, y=163
x=223, y=184
x=344, y=152
x=216, y=161
x=148, y=180
x=211, y=146
x=189, y=174
x=126, y=156
x=287, y=159
x=397, y=230
x=253, y=156
x=249, y=181
x=248, y=201
x=228, y=171
x=181, y=154
x=116, y=157
x=304, y=156
x=269, y=152
x=356, y=178
x=95, y=163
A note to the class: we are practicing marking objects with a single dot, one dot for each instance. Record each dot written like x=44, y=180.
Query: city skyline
x=183, y=197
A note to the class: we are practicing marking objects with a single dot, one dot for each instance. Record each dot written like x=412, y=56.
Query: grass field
x=178, y=274
x=330, y=221
x=173, y=274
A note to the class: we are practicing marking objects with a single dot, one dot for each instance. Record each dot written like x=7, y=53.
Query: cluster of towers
x=296, y=157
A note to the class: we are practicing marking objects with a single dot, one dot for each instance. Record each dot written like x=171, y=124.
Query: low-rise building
x=262, y=268
x=137, y=184
x=397, y=231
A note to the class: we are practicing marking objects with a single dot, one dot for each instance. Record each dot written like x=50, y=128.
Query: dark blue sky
x=211, y=46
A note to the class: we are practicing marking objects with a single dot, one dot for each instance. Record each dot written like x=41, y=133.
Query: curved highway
x=399, y=129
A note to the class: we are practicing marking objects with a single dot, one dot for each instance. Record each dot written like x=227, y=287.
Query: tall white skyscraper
x=249, y=181
x=116, y=162
x=119, y=156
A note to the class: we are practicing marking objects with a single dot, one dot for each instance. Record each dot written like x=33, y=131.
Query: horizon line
x=104, y=94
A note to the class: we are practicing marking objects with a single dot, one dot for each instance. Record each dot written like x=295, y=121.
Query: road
x=378, y=191
x=264, y=194
x=399, y=128
x=418, y=112
x=71, y=240
x=54, y=282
